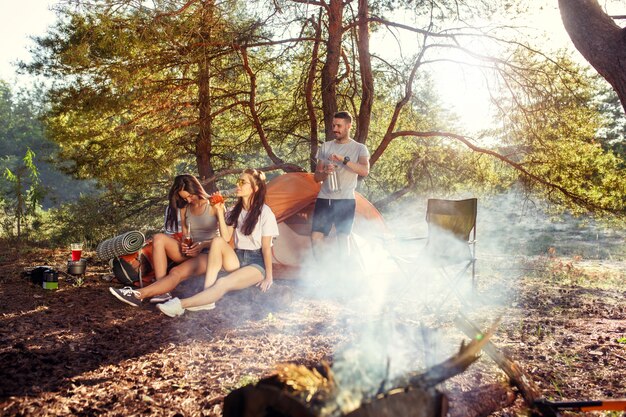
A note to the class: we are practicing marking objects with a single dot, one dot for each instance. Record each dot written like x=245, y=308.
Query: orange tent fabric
x=292, y=197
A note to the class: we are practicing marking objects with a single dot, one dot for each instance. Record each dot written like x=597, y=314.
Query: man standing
x=339, y=163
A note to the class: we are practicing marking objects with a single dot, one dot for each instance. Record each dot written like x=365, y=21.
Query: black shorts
x=338, y=212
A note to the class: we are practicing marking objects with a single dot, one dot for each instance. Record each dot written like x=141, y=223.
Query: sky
x=20, y=19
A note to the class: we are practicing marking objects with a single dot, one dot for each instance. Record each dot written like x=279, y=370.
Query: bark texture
x=367, y=79
x=599, y=39
x=205, y=132
x=331, y=66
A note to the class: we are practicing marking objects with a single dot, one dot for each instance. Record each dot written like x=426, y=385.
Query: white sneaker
x=161, y=298
x=202, y=307
x=172, y=308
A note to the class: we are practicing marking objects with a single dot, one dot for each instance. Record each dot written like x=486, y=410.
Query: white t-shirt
x=346, y=178
x=265, y=226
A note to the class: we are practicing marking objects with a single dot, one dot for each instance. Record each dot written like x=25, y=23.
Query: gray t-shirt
x=346, y=177
x=203, y=226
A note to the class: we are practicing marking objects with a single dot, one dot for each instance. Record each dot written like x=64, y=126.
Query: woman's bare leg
x=165, y=247
x=189, y=268
x=237, y=280
x=220, y=256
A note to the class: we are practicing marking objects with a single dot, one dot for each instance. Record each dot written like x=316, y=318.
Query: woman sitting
x=197, y=217
x=250, y=263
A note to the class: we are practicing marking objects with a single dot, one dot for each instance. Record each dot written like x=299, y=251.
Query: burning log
x=481, y=401
x=297, y=391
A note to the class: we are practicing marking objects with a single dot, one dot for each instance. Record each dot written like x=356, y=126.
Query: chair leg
x=473, y=278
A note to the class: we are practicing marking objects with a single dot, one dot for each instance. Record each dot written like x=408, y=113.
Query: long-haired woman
x=197, y=217
x=250, y=263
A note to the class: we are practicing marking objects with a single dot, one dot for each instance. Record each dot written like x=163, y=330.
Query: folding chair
x=449, y=251
x=451, y=242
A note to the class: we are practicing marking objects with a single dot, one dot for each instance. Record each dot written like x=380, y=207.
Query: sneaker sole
x=202, y=308
x=157, y=300
x=122, y=299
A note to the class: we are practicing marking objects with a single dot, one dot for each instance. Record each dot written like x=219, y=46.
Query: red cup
x=77, y=250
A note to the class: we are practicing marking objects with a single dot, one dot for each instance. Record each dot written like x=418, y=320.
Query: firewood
x=450, y=367
x=481, y=401
x=519, y=378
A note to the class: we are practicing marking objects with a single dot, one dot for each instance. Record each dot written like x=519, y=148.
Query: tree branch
x=285, y=167
x=578, y=199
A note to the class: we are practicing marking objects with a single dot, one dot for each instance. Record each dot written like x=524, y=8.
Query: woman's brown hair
x=184, y=182
x=258, y=200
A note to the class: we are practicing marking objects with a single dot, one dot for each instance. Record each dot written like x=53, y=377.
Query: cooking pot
x=76, y=267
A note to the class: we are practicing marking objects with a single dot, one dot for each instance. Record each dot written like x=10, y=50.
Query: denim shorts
x=254, y=258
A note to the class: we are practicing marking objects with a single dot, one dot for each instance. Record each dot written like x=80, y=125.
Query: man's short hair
x=343, y=115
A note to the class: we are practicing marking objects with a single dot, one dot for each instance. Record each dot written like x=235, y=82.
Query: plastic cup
x=77, y=250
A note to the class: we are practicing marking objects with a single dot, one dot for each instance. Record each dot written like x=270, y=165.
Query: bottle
x=220, y=195
x=187, y=239
x=333, y=182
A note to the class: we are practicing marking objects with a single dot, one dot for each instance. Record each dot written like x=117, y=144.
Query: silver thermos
x=333, y=182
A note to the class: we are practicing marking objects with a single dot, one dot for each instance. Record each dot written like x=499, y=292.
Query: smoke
x=388, y=289
x=398, y=297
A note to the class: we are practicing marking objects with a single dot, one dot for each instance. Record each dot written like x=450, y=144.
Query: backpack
x=128, y=268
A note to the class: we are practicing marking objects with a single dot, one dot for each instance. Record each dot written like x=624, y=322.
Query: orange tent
x=292, y=199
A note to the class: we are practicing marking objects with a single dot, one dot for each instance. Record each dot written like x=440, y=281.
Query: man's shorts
x=338, y=212
x=254, y=258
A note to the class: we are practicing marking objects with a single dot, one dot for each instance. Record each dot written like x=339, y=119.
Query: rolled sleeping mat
x=129, y=242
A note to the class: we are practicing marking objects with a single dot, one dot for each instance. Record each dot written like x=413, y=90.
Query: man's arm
x=320, y=175
x=361, y=167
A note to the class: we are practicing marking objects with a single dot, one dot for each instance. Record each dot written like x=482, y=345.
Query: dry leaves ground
x=78, y=351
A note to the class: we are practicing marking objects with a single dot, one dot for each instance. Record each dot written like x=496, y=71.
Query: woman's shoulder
x=267, y=211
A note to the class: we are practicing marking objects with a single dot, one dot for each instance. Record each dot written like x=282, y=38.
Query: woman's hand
x=193, y=250
x=217, y=201
x=266, y=283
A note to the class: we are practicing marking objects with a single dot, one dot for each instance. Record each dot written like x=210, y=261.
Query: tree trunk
x=367, y=80
x=600, y=41
x=19, y=211
x=308, y=94
x=203, y=140
x=331, y=66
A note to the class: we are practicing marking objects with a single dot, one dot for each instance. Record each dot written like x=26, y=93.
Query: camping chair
x=452, y=236
x=449, y=251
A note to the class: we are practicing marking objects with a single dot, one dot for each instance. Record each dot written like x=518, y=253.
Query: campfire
x=298, y=391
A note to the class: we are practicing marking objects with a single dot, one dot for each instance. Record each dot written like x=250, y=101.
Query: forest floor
x=78, y=351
